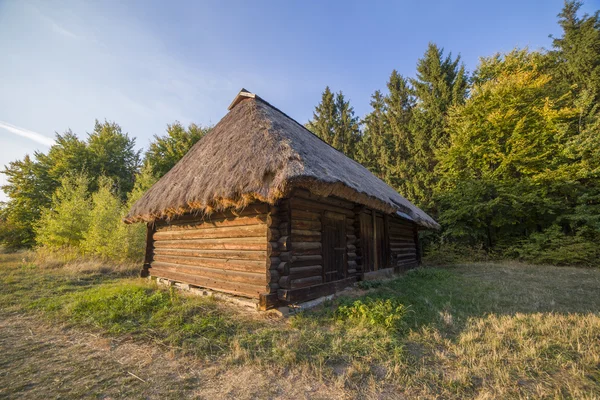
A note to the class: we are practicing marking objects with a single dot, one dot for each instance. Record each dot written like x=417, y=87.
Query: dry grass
x=487, y=330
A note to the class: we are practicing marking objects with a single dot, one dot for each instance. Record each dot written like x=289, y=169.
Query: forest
x=506, y=158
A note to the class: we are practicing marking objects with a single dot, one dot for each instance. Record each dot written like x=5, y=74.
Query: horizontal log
x=352, y=271
x=227, y=254
x=307, y=260
x=305, y=215
x=352, y=265
x=313, y=292
x=306, y=248
x=285, y=282
x=284, y=228
x=314, y=206
x=272, y=234
x=215, y=233
x=304, y=272
x=304, y=282
x=283, y=268
x=237, y=288
x=351, y=256
x=231, y=265
x=177, y=225
x=350, y=239
x=409, y=256
x=306, y=225
x=272, y=275
x=285, y=256
x=251, y=210
x=267, y=301
x=337, y=202
x=351, y=248
x=222, y=274
x=254, y=243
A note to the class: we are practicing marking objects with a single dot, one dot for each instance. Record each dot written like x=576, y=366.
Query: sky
x=145, y=64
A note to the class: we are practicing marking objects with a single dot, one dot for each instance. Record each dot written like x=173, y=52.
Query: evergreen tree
x=324, y=117
x=165, y=151
x=346, y=129
x=372, y=149
x=440, y=83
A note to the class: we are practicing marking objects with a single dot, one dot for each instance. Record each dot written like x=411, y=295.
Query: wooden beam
x=313, y=292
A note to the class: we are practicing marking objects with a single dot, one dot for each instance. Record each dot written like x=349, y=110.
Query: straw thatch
x=257, y=153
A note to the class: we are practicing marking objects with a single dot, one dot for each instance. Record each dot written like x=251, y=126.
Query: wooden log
x=310, y=205
x=251, y=210
x=272, y=234
x=307, y=260
x=334, y=201
x=352, y=265
x=304, y=282
x=274, y=262
x=283, y=268
x=350, y=239
x=285, y=282
x=301, y=235
x=267, y=301
x=237, y=288
x=284, y=227
x=273, y=275
x=304, y=272
x=306, y=215
x=229, y=254
x=177, y=225
x=216, y=244
x=220, y=233
x=351, y=248
x=222, y=274
x=312, y=292
x=225, y=264
x=284, y=243
x=285, y=256
x=306, y=225
x=352, y=272
x=351, y=256
x=306, y=248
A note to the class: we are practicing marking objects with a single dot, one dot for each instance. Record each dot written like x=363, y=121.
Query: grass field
x=478, y=330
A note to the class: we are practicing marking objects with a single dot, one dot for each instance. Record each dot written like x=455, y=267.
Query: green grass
x=477, y=330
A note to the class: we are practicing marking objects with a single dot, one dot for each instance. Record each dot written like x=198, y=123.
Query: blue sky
x=145, y=64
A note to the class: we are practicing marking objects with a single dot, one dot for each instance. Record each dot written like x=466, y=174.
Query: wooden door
x=335, y=265
x=374, y=241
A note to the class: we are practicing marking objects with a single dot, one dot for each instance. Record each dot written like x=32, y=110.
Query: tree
x=323, y=123
x=65, y=223
x=334, y=121
x=372, y=151
x=440, y=83
x=112, y=154
x=165, y=151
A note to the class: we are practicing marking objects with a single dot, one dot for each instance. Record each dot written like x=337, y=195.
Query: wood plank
x=304, y=272
x=220, y=233
x=236, y=288
x=254, y=243
x=267, y=301
x=176, y=225
x=313, y=292
x=305, y=282
x=227, y=254
x=222, y=274
x=314, y=206
x=232, y=265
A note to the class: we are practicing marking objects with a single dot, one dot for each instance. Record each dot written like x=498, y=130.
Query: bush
x=66, y=221
x=385, y=313
x=554, y=247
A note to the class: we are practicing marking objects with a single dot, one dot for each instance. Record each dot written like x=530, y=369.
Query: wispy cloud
x=36, y=137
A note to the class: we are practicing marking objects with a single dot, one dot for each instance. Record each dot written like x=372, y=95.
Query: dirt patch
x=42, y=361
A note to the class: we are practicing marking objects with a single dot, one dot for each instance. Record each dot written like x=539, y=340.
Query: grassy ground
x=478, y=330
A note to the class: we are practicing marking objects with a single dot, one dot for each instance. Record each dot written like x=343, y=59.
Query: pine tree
x=324, y=117
x=373, y=145
x=346, y=131
x=440, y=83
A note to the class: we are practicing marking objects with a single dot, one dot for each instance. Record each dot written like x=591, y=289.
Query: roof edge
x=243, y=94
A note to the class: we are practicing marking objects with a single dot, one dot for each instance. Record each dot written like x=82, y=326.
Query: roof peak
x=243, y=94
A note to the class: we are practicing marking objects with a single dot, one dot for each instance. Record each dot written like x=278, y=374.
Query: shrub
x=385, y=313
x=66, y=221
x=554, y=247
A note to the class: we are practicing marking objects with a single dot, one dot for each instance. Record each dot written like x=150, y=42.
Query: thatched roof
x=256, y=152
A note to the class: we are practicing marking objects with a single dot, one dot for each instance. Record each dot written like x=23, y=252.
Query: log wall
x=233, y=253
x=301, y=272
x=403, y=239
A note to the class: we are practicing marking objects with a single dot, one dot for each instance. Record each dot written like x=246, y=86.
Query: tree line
x=506, y=158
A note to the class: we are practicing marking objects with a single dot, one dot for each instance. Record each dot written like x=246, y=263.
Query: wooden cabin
x=262, y=208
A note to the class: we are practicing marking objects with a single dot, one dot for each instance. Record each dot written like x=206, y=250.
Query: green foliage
x=65, y=223
x=385, y=313
x=334, y=122
x=553, y=246
x=103, y=237
x=165, y=151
